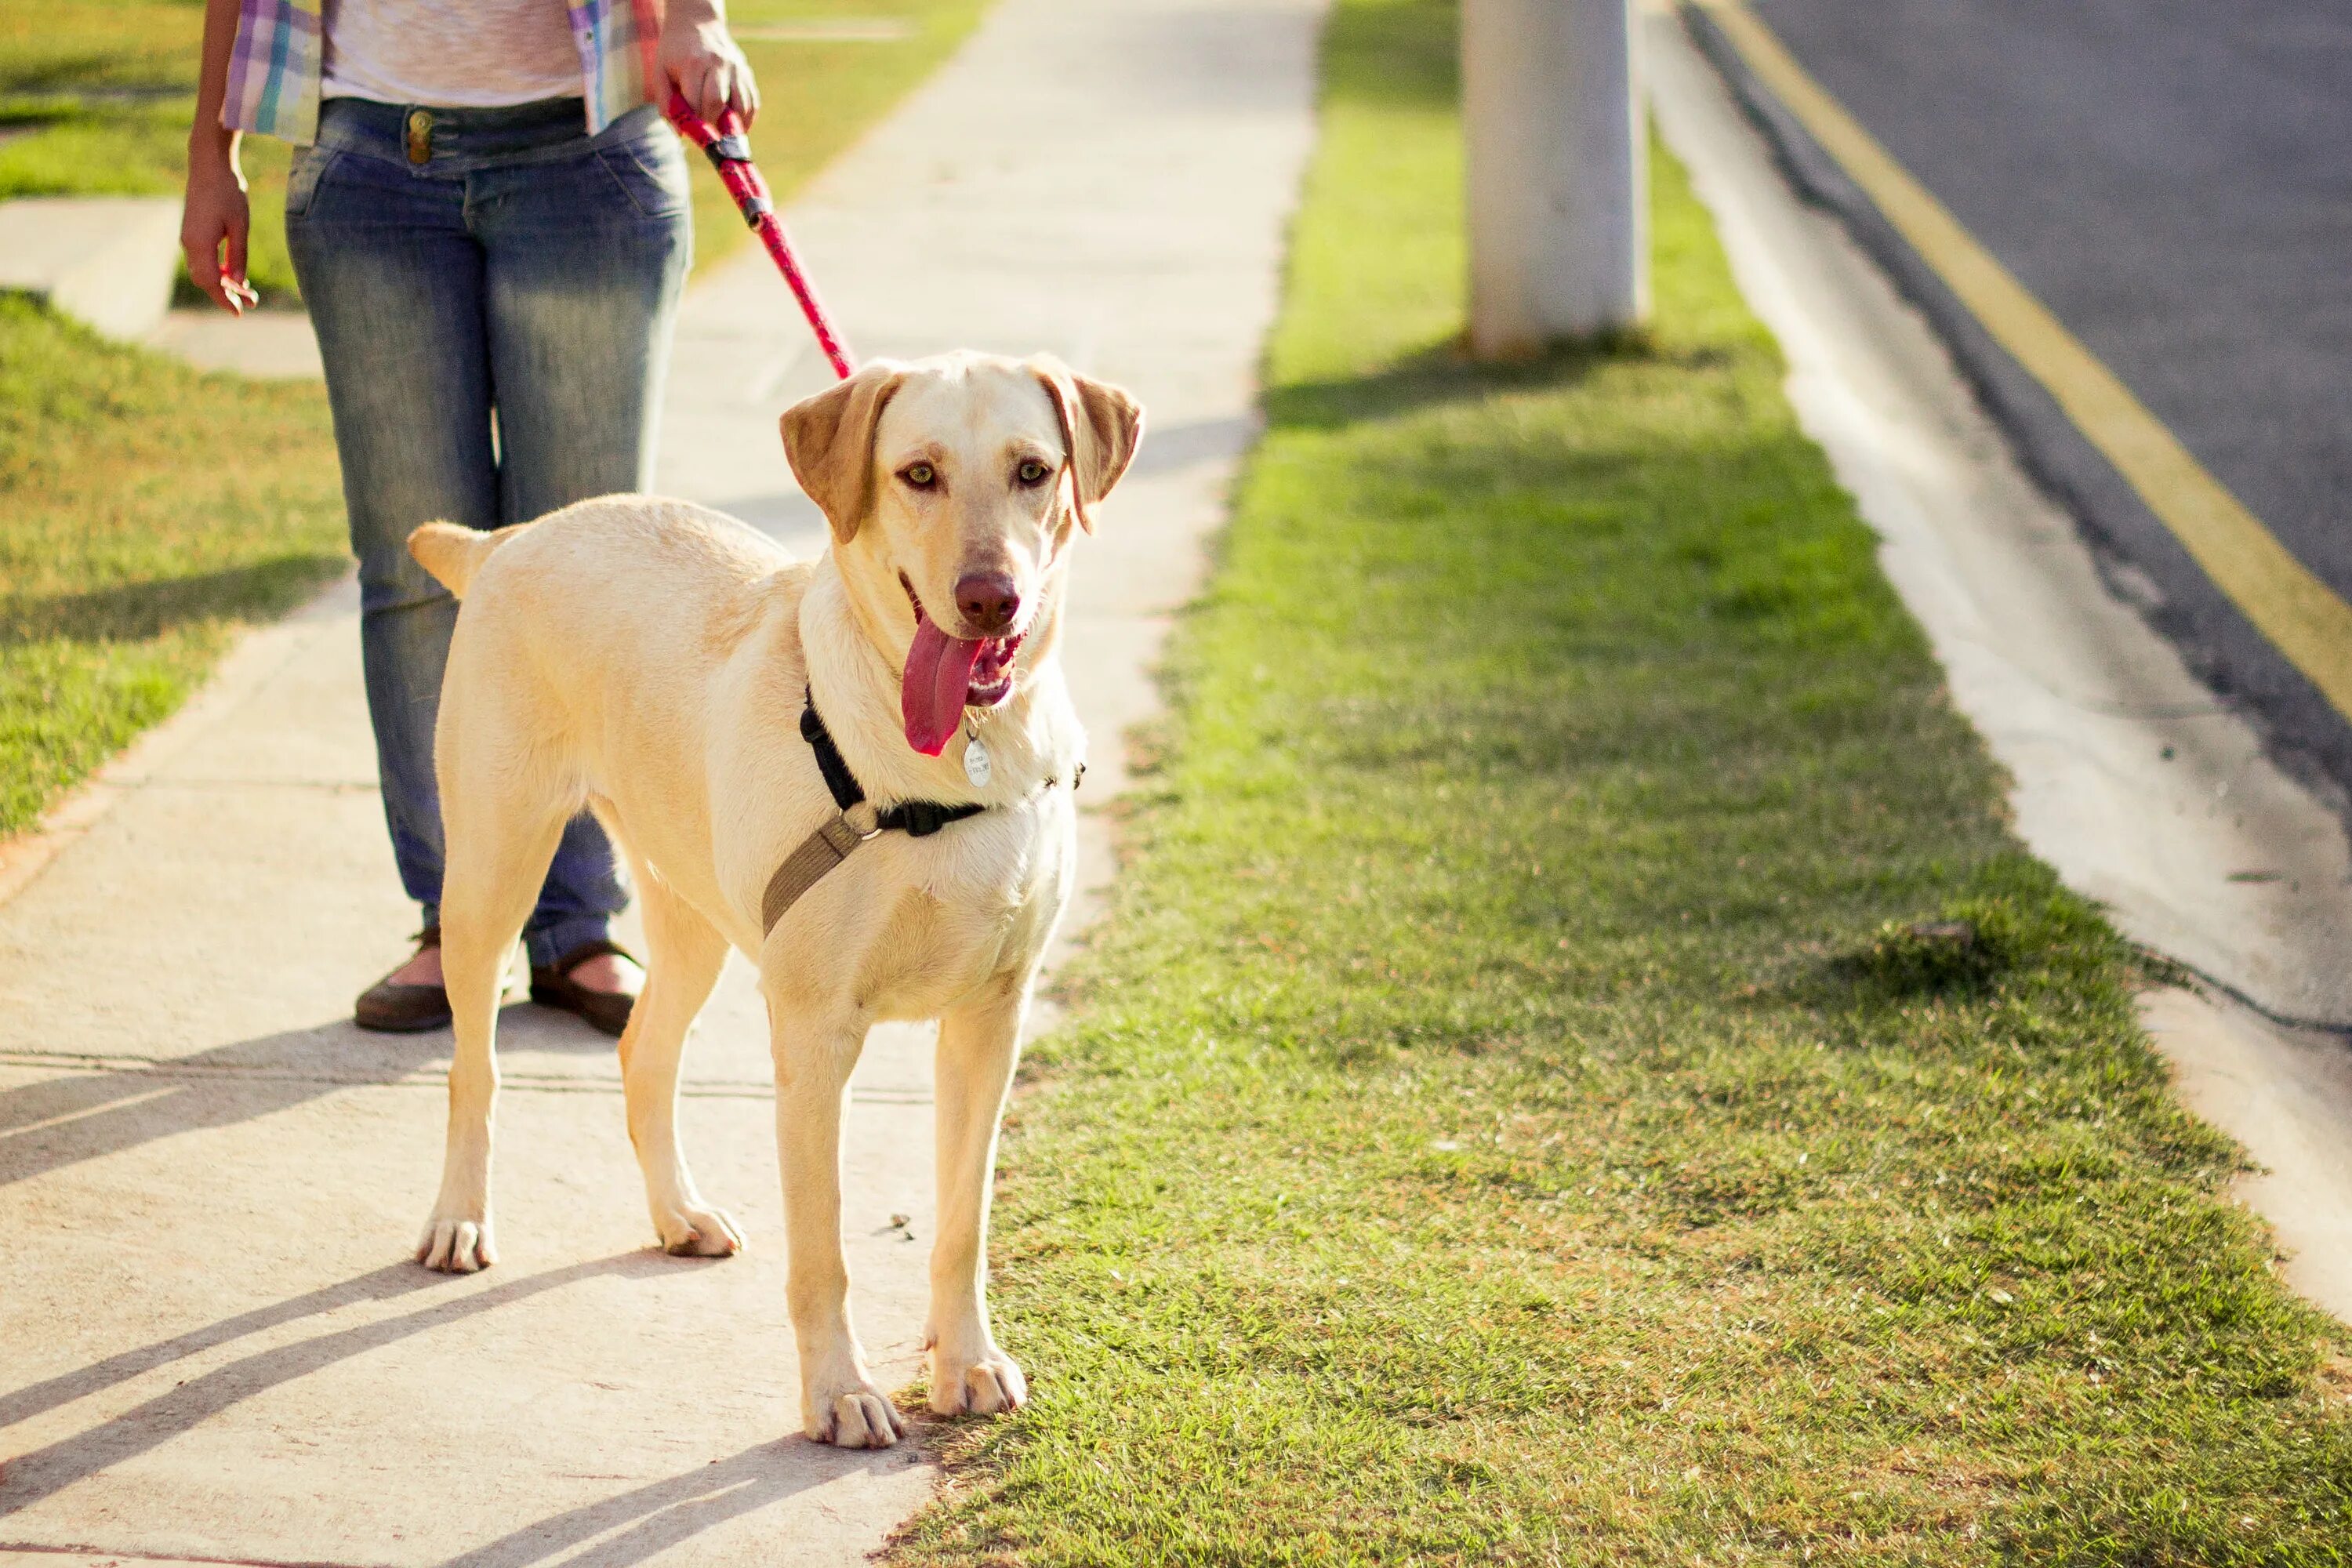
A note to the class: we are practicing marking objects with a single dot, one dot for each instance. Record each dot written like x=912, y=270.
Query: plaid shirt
x=276, y=68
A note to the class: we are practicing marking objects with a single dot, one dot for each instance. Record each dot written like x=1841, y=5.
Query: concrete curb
x=2144, y=792
x=2145, y=789
x=2142, y=560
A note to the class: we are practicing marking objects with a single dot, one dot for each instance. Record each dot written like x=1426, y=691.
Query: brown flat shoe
x=554, y=986
x=390, y=1009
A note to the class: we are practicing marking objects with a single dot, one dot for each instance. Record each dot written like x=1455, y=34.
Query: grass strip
x=1581, y=1070
x=145, y=510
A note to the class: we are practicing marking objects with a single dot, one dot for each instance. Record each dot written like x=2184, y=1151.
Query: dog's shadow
x=41, y=1472
x=669, y=1512
x=650, y=1517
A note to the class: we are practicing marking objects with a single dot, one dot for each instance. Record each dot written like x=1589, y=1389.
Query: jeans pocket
x=310, y=166
x=650, y=171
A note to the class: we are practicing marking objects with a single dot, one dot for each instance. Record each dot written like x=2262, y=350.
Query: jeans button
x=420, y=136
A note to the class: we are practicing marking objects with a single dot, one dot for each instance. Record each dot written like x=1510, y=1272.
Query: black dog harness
x=853, y=822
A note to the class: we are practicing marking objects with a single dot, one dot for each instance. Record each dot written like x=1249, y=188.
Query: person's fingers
x=717, y=83
x=686, y=80
x=203, y=267
x=747, y=93
x=233, y=272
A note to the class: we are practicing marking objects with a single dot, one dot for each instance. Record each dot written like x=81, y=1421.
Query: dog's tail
x=453, y=554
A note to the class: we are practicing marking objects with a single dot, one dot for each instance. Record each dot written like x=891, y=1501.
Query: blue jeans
x=494, y=298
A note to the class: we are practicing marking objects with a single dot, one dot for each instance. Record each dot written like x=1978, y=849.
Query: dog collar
x=855, y=821
x=916, y=819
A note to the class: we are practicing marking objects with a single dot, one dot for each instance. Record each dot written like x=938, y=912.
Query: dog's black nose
x=990, y=603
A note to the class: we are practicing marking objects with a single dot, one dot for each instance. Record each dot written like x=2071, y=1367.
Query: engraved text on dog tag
x=975, y=763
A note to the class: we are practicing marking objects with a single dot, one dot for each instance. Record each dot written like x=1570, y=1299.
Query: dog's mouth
x=946, y=675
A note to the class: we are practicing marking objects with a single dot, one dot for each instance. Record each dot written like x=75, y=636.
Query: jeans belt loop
x=420, y=136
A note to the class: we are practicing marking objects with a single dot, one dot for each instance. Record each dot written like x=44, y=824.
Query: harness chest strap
x=820, y=852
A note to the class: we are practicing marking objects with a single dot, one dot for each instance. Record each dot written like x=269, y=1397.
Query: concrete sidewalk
x=212, y=1347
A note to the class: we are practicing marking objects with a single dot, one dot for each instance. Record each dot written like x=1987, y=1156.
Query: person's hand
x=700, y=59
x=215, y=221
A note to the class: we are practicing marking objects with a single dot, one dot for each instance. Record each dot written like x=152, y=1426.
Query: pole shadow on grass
x=1444, y=373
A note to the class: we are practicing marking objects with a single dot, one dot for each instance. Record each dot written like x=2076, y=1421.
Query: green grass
x=105, y=89
x=146, y=510
x=1520, y=1110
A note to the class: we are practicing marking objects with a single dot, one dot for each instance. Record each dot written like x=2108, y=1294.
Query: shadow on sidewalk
x=668, y=1512
x=650, y=1519
x=84, y=1115
x=380, y=1285
x=40, y=1473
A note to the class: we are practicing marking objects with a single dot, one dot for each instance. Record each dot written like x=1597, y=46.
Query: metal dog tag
x=976, y=764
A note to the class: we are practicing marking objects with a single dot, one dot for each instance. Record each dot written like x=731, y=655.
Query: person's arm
x=699, y=59
x=214, y=219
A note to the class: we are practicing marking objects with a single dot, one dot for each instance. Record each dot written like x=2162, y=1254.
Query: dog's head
x=953, y=486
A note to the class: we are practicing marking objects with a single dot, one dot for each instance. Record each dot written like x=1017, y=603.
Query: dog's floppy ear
x=829, y=440
x=1101, y=427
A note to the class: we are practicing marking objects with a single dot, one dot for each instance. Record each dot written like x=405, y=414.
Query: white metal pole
x=1558, y=172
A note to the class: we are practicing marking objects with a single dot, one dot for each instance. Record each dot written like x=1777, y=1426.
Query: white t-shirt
x=455, y=54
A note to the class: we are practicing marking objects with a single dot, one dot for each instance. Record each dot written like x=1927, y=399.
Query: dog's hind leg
x=978, y=1044
x=500, y=825
x=684, y=954
x=839, y=1402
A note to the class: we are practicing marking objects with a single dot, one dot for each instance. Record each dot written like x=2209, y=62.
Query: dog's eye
x=920, y=475
x=1032, y=472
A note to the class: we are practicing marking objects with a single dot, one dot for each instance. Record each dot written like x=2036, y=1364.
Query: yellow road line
x=2302, y=617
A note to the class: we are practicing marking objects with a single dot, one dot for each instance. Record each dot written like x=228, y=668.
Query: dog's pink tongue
x=939, y=675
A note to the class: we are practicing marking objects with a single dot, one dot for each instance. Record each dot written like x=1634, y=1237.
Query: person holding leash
x=488, y=220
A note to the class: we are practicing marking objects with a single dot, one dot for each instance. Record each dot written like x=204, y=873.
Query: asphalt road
x=2173, y=178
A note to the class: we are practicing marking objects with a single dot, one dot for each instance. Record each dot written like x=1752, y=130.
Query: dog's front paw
x=457, y=1244
x=698, y=1233
x=855, y=1417
x=986, y=1384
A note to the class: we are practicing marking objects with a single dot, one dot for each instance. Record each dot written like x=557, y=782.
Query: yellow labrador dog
x=723, y=708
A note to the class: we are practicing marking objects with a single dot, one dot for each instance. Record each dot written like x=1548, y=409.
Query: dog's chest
x=972, y=907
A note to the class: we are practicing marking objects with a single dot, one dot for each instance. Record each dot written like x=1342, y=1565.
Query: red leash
x=731, y=153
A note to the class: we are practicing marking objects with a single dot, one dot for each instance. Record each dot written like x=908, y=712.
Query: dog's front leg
x=978, y=1044
x=839, y=1402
